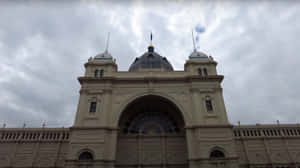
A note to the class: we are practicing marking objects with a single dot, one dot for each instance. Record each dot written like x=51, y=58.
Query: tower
x=152, y=115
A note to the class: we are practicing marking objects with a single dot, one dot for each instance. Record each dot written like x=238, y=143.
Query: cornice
x=95, y=92
x=33, y=129
x=94, y=128
x=209, y=126
x=200, y=90
x=215, y=161
x=100, y=63
x=261, y=126
x=190, y=78
x=193, y=62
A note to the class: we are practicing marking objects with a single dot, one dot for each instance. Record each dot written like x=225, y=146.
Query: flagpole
x=151, y=38
x=193, y=40
x=107, y=42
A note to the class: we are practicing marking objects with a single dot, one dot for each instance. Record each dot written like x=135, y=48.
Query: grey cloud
x=49, y=44
x=261, y=66
x=256, y=49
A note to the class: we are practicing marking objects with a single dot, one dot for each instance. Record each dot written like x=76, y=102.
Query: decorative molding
x=205, y=159
x=209, y=126
x=93, y=128
x=184, y=79
x=95, y=91
x=207, y=91
x=211, y=115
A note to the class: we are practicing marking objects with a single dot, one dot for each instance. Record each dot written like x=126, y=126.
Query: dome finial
x=151, y=48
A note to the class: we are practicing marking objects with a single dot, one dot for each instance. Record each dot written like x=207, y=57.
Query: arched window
x=217, y=154
x=96, y=73
x=199, y=72
x=101, y=73
x=205, y=72
x=86, y=156
x=151, y=123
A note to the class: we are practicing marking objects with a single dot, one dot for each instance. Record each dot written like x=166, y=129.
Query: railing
x=34, y=134
x=267, y=131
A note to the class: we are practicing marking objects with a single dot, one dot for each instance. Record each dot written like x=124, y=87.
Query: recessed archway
x=151, y=133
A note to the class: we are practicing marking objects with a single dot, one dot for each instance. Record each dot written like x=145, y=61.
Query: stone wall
x=276, y=146
x=260, y=146
x=44, y=147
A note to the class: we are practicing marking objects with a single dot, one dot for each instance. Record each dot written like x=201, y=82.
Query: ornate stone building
x=151, y=117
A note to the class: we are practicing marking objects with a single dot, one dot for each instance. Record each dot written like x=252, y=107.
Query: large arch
x=119, y=111
x=151, y=133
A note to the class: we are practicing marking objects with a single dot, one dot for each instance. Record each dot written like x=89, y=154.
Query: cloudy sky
x=43, y=46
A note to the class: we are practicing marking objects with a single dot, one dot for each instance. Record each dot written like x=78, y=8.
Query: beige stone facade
x=151, y=117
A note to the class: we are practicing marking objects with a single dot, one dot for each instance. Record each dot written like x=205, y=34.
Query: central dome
x=151, y=60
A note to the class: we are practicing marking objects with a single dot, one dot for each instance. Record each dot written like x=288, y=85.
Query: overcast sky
x=43, y=46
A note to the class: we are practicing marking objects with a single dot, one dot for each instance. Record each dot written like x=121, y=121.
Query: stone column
x=192, y=147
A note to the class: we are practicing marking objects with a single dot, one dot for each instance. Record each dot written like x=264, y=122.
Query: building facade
x=151, y=117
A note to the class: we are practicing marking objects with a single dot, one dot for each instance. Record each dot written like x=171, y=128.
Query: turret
x=201, y=64
x=101, y=65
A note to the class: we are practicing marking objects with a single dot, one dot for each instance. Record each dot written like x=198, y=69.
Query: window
x=208, y=104
x=101, y=73
x=96, y=73
x=205, y=72
x=199, y=72
x=217, y=154
x=151, y=123
x=86, y=156
x=93, y=107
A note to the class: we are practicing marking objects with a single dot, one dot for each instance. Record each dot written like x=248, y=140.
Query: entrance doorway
x=151, y=135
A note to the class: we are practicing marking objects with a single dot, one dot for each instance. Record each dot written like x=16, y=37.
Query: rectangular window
x=93, y=107
x=209, y=106
x=205, y=72
x=96, y=73
x=199, y=72
x=101, y=73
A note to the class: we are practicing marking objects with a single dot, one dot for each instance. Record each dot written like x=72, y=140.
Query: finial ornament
x=193, y=40
x=44, y=125
x=150, y=47
x=4, y=125
x=107, y=42
x=24, y=125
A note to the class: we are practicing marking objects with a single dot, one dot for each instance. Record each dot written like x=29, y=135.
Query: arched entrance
x=151, y=135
